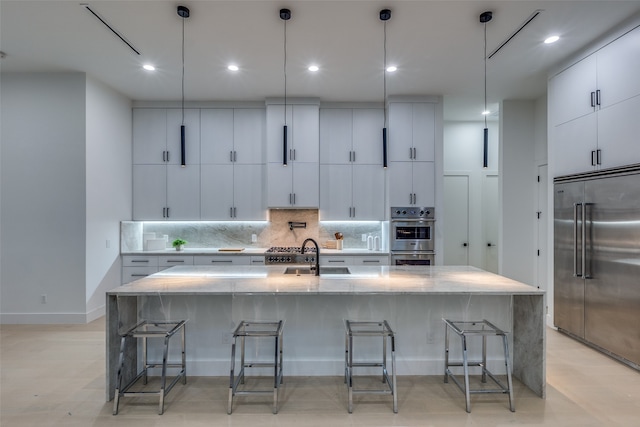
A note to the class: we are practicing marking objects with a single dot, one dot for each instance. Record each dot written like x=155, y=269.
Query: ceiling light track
x=106, y=24
x=527, y=21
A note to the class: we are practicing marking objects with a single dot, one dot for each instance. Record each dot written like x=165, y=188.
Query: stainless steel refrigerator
x=597, y=260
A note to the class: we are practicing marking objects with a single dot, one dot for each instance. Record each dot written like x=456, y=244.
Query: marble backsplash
x=274, y=232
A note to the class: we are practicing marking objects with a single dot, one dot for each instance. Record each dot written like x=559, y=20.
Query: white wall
x=517, y=190
x=109, y=198
x=42, y=186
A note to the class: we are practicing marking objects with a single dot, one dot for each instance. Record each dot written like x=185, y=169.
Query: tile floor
x=53, y=375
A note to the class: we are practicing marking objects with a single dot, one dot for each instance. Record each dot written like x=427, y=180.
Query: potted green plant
x=178, y=244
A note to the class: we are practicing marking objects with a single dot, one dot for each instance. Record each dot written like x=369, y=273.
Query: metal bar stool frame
x=145, y=330
x=250, y=329
x=482, y=328
x=370, y=329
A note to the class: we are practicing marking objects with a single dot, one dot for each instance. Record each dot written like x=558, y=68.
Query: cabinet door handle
x=354, y=156
x=223, y=261
x=175, y=260
x=415, y=153
x=235, y=156
x=164, y=212
x=410, y=152
x=599, y=156
x=336, y=261
x=230, y=212
x=598, y=97
x=139, y=260
x=593, y=157
x=139, y=275
x=593, y=99
x=294, y=154
x=167, y=156
x=294, y=198
x=290, y=199
x=167, y=212
x=371, y=261
x=234, y=212
x=231, y=156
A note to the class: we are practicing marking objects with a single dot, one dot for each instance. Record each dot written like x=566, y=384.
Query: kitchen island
x=413, y=299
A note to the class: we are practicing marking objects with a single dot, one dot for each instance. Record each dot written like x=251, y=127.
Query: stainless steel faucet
x=317, y=253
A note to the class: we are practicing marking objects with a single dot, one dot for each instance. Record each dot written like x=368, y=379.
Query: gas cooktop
x=289, y=255
x=290, y=250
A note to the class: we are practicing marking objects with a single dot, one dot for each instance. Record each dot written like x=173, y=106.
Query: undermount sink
x=323, y=270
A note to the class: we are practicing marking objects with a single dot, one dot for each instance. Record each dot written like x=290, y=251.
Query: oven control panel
x=412, y=212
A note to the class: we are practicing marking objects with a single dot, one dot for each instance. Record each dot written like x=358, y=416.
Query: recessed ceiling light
x=551, y=39
x=149, y=67
x=391, y=68
x=233, y=67
x=313, y=68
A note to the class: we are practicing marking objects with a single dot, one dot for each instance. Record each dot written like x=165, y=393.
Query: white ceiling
x=437, y=46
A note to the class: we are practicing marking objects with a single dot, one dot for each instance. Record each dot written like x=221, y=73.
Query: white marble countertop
x=394, y=280
x=250, y=251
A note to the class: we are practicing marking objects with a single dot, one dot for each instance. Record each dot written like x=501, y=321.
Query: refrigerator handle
x=575, y=240
x=586, y=272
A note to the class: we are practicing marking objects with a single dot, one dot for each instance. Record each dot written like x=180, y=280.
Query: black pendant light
x=183, y=13
x=484, y=18
x=385, y=15
x=285, y=15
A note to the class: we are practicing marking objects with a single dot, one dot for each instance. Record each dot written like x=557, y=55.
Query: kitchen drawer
x=335, y=260
x=257, y=260
x=171, y=260
x=129, y=274
x=222, y=260
x=371, y=260
x=139, y=261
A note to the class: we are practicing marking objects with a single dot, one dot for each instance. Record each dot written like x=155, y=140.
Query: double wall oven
x=412, y=235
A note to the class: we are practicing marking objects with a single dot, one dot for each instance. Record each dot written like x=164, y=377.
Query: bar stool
x=246, y=330
x=370, y=329
x=145, y=330
x=484, y=329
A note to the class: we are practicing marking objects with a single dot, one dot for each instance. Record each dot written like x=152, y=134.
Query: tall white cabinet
x=159, y=180
x=594, y=106
x=232, y=164
x=352, y=185
x=411, y=152
x=293, y=171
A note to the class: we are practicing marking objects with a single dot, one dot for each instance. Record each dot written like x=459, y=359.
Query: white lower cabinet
x=357, y=260
x=221, y=260
x=166, y=261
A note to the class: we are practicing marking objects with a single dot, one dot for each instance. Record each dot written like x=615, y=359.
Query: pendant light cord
x=384, y=74
x=485, y=75
x=183, y=71
x=285, y=72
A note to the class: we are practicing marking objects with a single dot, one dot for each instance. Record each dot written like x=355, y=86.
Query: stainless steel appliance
x=290, y=255
x=412, y=235
x=597, y=260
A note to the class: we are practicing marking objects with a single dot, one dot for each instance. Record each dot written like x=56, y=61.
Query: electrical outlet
x=430, y=338
x=43, y=299
x=254, y=238
x=227, y=337
x=108, y=243
x=364, y=237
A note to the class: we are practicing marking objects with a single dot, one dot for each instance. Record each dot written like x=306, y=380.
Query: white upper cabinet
x=157, y=136
x=232, y=164
x=166, y=192
x=216, y=143
x=351, y=173
x=302, y=133
x=232, y=135
x=411, y=131
x=572, y=91
x=411, y=145
x=295, y=184
x=594, y=107
x=149, y=136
